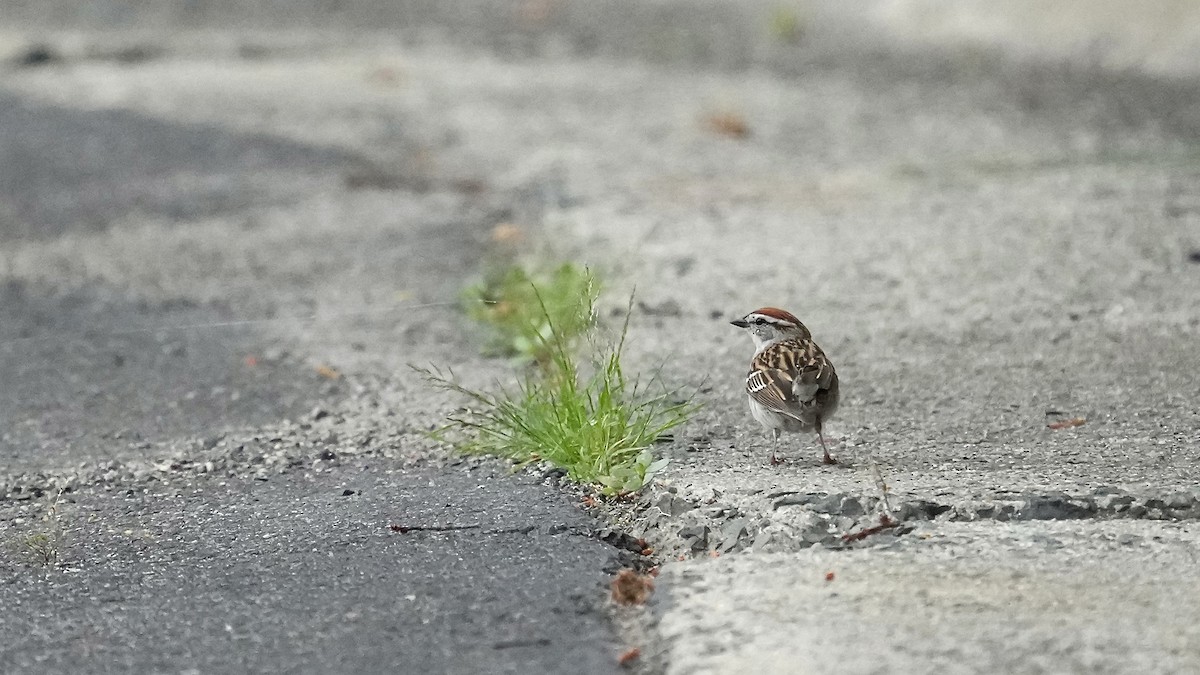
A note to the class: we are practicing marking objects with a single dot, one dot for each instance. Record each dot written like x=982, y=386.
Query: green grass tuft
x=528, y=312
x=787, y=24
x=40, y=546
x=597, y=425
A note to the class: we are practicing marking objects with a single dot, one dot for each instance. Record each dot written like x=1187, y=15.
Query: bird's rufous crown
x=776, y=313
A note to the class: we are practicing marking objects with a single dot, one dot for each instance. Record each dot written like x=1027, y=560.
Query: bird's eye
x=759, y=321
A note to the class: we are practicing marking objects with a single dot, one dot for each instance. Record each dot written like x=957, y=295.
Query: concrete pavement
x=983, y=246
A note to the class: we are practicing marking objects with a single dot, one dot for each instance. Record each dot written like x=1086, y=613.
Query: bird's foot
x=776, y=460
x=829, y=459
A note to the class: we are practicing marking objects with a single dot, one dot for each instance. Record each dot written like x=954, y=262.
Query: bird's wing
x=789, y=391
x=775, y=390
x=769, y=388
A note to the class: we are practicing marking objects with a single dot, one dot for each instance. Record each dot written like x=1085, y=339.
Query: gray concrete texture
x=985, y=241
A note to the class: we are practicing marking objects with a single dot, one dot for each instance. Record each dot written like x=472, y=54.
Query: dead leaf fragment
x=386, y=75
x=631, y=588
x=886, y=522
x=728, y=124
x=534, y=13
x=1067, y=424
x=328, y=372
x=629, y=656
x=507, y=233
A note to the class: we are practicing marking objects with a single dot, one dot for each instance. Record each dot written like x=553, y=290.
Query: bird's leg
x=775, y=446
x=828, y=457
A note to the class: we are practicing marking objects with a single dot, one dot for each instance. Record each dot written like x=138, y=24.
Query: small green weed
x=530, y=312
x=40, y=547
x=598, y=427
x=787, y=24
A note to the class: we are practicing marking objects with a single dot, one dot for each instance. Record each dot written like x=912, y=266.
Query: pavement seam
x=683, y=527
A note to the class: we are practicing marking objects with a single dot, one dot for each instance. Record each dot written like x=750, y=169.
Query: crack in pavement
x=791, y=520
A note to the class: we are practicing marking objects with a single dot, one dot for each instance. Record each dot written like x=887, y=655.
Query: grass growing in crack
x=586, y=417
x=40, y=547
x=787, y=24
x=529, y=311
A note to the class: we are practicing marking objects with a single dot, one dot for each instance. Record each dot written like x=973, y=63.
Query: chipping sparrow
x=792, y=385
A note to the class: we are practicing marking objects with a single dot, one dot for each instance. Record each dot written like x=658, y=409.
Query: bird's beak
x=740, y=323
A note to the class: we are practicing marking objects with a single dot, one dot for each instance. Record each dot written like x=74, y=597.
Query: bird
x=792, y=385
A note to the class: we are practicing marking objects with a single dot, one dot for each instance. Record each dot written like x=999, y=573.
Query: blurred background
x=1158, y=36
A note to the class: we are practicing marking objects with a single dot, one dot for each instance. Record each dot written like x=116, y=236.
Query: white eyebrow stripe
x=774, y=321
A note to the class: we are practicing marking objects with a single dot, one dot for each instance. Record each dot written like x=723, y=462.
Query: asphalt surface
x=208, y=416
x=985, y=246
x=316, y=571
